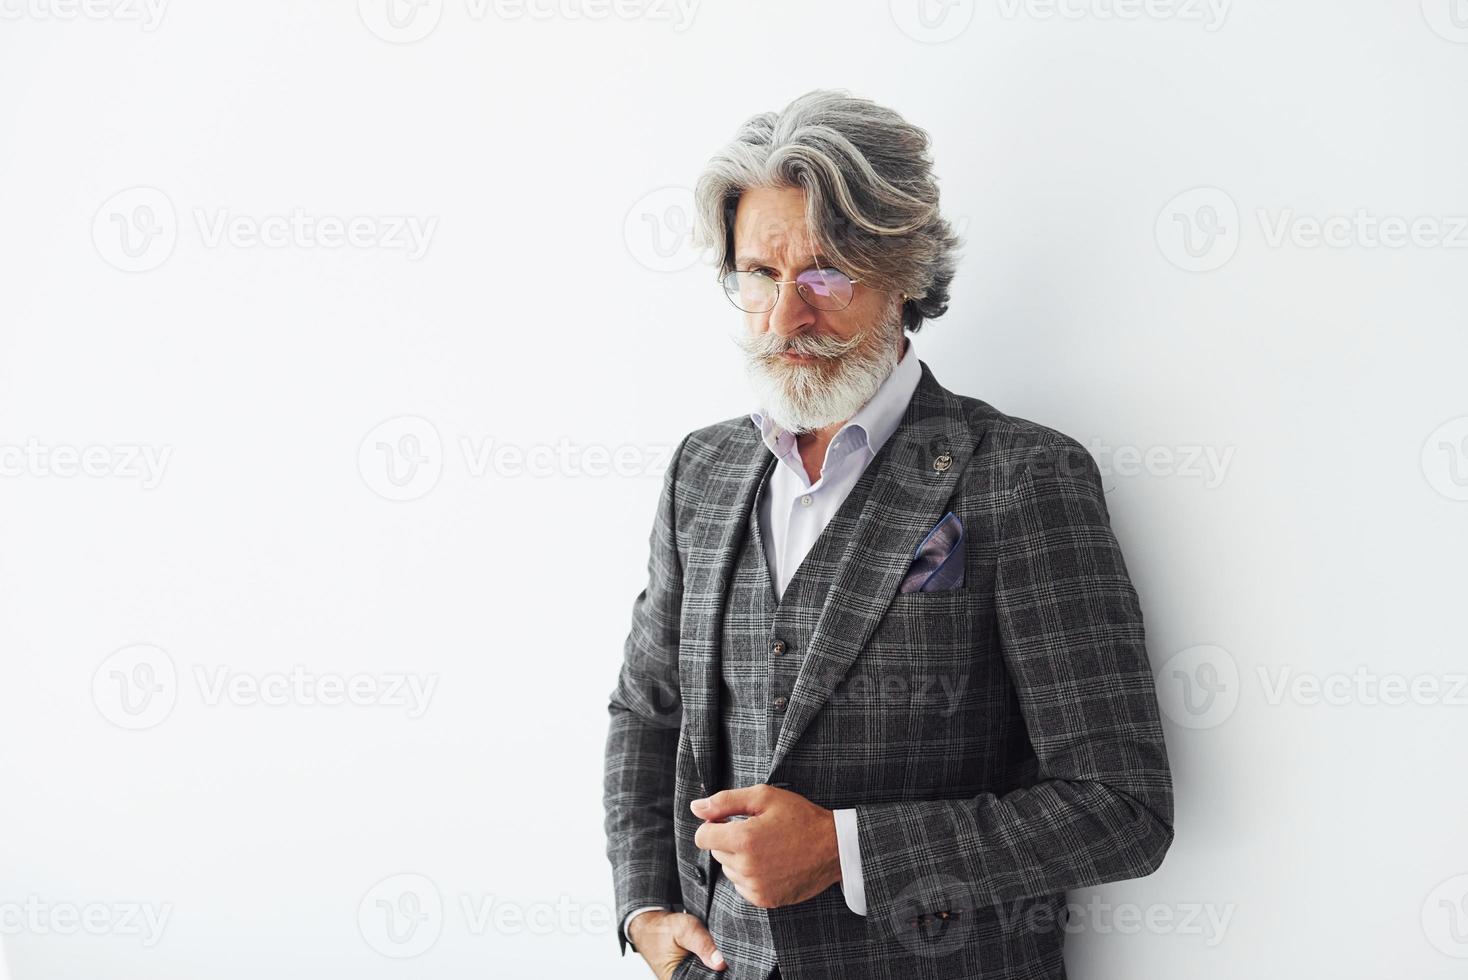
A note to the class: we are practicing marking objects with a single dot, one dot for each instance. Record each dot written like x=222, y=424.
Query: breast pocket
x=932, y=625
x=928, y=645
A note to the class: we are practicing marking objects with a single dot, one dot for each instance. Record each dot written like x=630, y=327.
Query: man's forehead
x=764, y=227
x=756, y=258
x=769, y=233
x=771, y=245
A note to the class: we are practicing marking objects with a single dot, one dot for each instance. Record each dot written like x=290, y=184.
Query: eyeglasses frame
x=783, y=282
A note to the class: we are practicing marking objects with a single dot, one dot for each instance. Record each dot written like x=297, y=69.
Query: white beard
x=800, y=398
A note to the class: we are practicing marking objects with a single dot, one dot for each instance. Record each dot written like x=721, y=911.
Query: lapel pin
x=942, y=453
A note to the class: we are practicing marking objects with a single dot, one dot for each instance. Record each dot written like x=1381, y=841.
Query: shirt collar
x=875, y=421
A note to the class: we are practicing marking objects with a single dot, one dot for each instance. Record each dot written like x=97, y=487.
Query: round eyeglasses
x=757, y=292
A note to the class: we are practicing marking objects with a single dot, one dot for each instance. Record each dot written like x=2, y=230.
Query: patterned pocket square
x=938, y=564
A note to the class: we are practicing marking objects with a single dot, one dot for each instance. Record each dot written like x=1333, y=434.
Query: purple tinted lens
x=825, y=288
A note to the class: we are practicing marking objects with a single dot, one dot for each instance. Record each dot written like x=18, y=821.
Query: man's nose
x=791, y=314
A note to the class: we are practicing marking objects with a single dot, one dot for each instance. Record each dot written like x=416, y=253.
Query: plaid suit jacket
x=1032, y=761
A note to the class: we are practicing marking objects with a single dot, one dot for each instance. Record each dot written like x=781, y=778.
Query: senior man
x=885, y=696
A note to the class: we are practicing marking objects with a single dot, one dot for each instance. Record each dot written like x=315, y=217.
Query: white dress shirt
x=794, y=511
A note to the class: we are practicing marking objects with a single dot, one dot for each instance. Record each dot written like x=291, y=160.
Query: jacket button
x=778, y=647
x=699, y=873
x=780, y=703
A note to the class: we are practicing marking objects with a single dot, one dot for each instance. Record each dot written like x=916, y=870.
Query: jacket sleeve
x=1070, y=629
x=642, y=741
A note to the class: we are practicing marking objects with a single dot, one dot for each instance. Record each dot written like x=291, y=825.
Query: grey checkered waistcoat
x=1000, y=741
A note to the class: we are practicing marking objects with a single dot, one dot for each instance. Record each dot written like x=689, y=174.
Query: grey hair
x=871, y=199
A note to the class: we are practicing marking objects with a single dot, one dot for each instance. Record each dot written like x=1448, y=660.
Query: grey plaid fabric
x=1000, y=741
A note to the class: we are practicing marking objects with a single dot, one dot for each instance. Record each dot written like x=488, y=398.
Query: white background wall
x=1282, y=423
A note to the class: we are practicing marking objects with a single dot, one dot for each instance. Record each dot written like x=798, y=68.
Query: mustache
x=770, y=345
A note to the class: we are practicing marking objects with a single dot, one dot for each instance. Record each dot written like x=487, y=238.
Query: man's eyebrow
x=820, y=260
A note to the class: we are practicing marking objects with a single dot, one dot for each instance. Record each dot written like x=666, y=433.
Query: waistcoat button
x=780, y=703
x=778, y=647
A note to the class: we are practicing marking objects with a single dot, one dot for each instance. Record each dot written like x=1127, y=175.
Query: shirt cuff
x=849, y=849
x=626, y=931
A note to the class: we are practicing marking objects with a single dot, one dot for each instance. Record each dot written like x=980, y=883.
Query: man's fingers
x=743, y=886
x=735, y=878
x=722, y=836
x=695, y=937
x=726, y=859
x=727, y=802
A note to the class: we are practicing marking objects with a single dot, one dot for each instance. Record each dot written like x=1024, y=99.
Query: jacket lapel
x=719, y=526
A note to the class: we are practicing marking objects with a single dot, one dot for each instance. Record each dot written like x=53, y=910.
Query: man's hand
x=784, y=852
x=664, y=938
